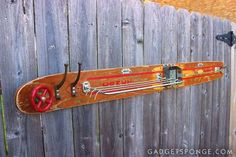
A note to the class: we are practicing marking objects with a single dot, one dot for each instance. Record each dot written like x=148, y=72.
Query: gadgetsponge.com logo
x=201, y=152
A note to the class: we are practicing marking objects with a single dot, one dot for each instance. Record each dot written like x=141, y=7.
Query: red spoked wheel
x=41, y=98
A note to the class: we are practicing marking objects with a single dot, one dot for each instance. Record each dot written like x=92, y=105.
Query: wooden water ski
x=61, y=91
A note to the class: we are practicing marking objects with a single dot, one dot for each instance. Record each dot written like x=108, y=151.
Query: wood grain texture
x=220, y=123
x=168, y=98
x=110, y=55
x=206, y=91
x=232, y=135
x=182, y=121
x=83, y=49
x=132, y=40
x=222, y=140
x=152, y=54
x=107, y=78
x=218, y=55
x=196, y=54
x=227, y=81
x=52, y=52
x=17, y=64
x=103, y=34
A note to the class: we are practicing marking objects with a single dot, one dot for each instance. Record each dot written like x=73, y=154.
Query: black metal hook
x=73, y=91
x=60, y=84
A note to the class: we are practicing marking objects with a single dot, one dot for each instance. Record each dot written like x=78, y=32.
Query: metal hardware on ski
x=60, y=91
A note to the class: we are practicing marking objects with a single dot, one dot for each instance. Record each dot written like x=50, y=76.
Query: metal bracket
x=172, y=73
x=86, y=87
x=228, y=38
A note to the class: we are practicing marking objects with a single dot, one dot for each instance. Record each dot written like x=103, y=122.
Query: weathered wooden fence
x=38, y=37
x=232, y=132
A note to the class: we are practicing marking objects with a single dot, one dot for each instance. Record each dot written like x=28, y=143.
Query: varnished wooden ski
x=72, y=89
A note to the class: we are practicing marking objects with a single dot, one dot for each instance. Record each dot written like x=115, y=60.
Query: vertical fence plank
x=183, y=95
x=110, y=55
x=232, y=133
x=132, y=30
x=218, y=55
x=83, y=48
x=52, y=50
x=220, y=122
x=225, y=93
x=195, y=97
x=17, y=66
x=221, y=92
x=206, y=93
x=152, y=55
x=221, y=104
x=168, y=98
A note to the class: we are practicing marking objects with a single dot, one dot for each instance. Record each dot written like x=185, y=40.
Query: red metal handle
x=41, y=98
